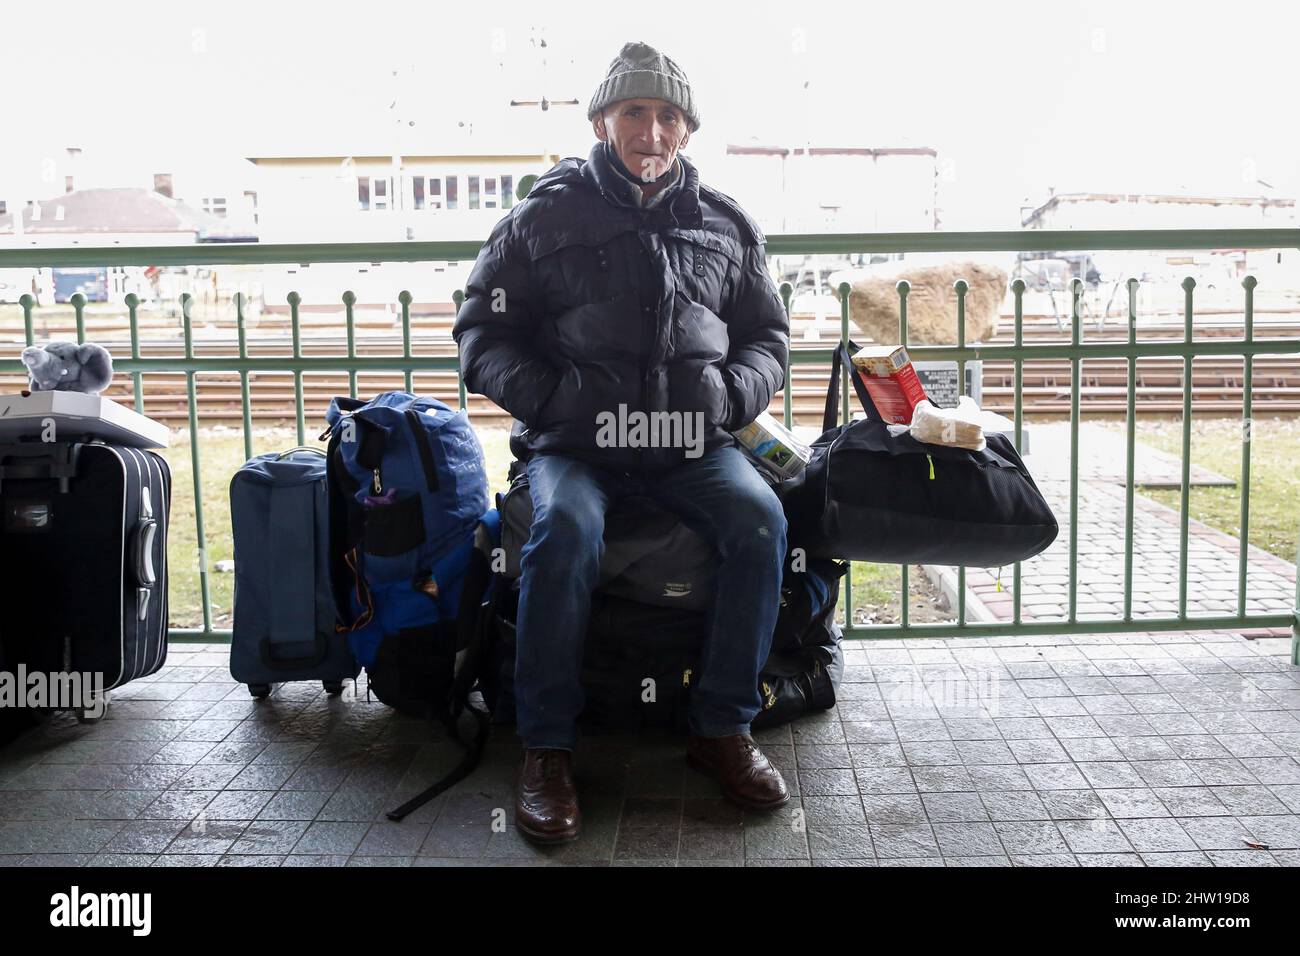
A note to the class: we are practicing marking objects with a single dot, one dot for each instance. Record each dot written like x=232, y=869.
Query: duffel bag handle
x=842, y=359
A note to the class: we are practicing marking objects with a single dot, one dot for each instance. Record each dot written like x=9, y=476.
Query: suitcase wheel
x=260, y=691
x=332, y=687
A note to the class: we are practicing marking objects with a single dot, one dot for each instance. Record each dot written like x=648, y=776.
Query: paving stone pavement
x=1126, y=750
x=1212, y=556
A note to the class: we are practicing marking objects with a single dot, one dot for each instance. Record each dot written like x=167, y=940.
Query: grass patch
x=878, y=591
x=1216, y=444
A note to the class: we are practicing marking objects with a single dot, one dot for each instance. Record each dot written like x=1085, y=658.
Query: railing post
x=458, y=298
x=350, y=300
x=1188, y=285
x=903, y=288
x=404, y=299
x=1076, y=293
x=294, y=300
x=26, y=301
x=1018, y=290
x=846, y=389
x=1247, y=436
x=1295, y=619
x=243, y=376
x=186, y=324
x=132, y=304
x=1130, y=446
x=79, y=309
x=961, y=287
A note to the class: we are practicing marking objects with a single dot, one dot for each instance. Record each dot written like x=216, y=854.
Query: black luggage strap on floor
x=471, y=637
x=473, y=754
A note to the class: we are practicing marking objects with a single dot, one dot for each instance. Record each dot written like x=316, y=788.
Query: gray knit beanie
x=641, y=70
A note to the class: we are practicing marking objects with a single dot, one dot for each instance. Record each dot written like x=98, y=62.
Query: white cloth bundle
x=946, y=426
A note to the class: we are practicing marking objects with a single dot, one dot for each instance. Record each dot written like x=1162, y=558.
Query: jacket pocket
x=544, y=409
x=705, y=263
x=720, y=402
x=698, y=333
x=580, y=266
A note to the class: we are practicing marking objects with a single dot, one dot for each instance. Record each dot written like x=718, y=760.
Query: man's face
x=645, y=133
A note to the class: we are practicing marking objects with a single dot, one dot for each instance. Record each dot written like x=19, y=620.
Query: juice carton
x=891, y=381
x=774, y=445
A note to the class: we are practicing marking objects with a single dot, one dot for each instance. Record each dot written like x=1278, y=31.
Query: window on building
x=507, y=191
x=216, y=205
x=374, y=193
x=427, y=192
x=490, y=199
x=3, y=207
x=453, y=186
x=67, y=184
x=473, y=192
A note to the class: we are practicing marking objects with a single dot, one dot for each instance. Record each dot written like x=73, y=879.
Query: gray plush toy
x=68, y=367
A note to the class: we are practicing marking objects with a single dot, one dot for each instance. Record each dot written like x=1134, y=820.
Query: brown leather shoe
x=748, y=779
x=546, y=800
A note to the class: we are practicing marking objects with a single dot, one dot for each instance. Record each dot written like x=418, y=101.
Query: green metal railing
x=1018, y=352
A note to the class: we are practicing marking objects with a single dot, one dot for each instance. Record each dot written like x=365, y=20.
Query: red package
x=891, y=381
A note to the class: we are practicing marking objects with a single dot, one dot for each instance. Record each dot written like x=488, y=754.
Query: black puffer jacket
x=580, y=302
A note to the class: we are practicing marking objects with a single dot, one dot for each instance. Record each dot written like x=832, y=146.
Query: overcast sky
x=1017, y=97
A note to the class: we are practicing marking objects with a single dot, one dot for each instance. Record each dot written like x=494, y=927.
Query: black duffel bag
x=867, y=495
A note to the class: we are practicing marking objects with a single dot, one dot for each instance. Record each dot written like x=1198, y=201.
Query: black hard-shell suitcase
x=84, y=529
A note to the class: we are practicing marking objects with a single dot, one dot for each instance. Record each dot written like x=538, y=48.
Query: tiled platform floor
x=1115, y=750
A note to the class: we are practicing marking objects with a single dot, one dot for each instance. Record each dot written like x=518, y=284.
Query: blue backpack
x=408, y=489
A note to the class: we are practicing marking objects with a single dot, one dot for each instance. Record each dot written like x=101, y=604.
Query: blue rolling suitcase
x=284, y=612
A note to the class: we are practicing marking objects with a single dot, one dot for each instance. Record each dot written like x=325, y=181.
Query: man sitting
x=624, y=287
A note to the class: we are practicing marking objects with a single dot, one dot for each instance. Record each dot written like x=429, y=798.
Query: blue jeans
x=721, y=497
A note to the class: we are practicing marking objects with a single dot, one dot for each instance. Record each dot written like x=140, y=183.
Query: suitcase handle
x=142, y=541
x=294, y=451
x=307, y=660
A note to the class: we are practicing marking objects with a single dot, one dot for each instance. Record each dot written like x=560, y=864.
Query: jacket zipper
x=649, y=323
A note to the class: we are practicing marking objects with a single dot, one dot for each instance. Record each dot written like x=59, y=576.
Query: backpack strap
x=362, y=590
x=471, y=640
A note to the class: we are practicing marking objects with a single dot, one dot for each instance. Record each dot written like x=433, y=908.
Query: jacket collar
x=604, y=170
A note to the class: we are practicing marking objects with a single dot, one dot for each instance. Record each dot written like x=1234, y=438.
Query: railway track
x=1216, y=380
